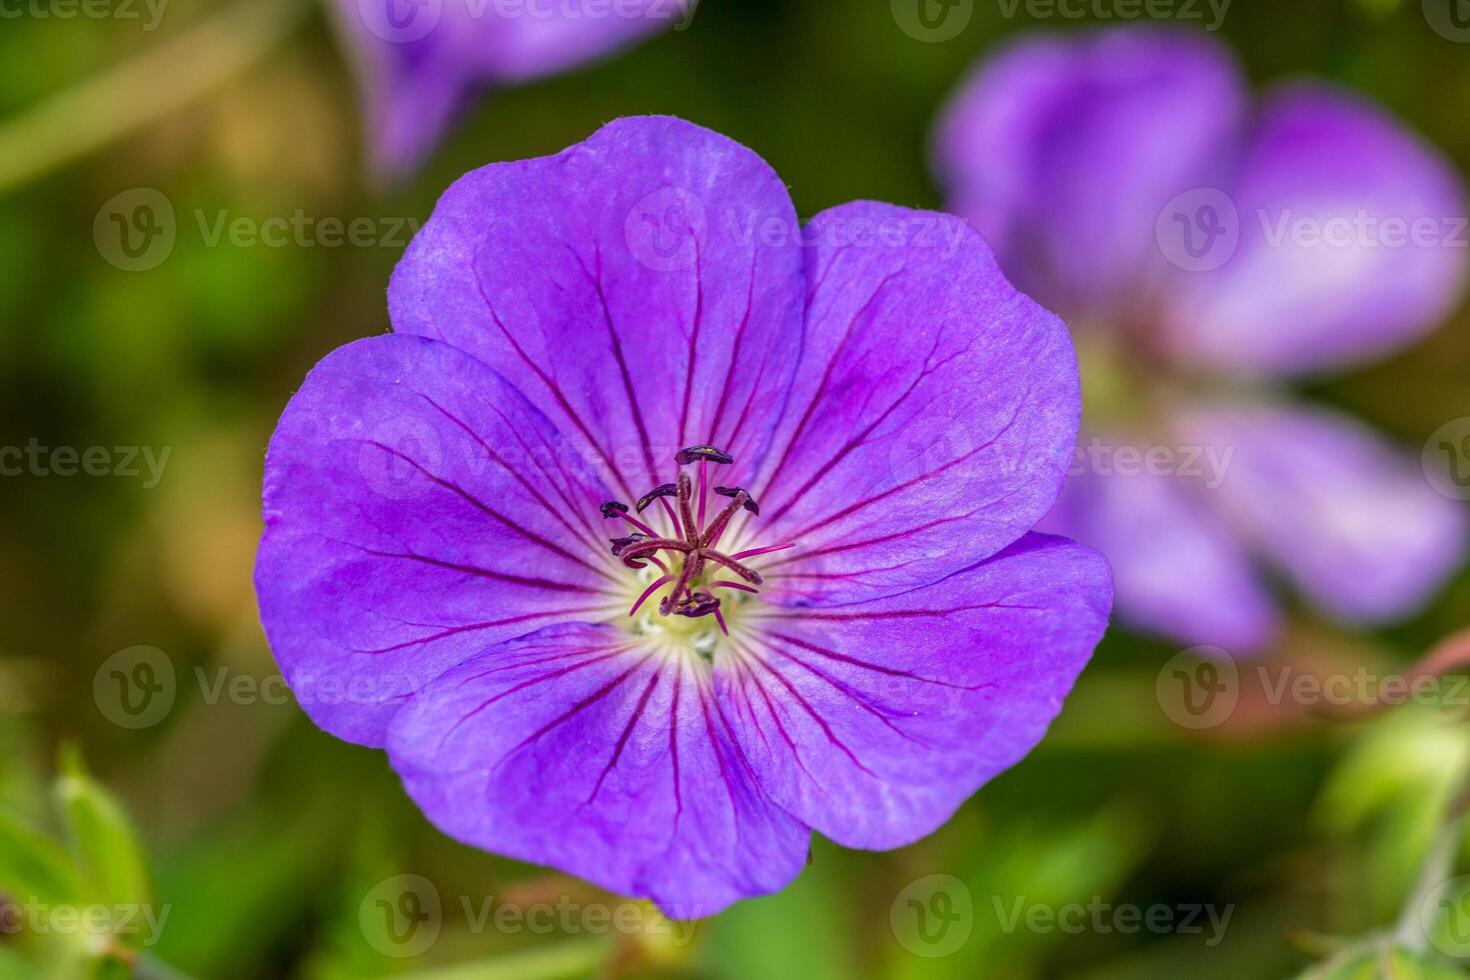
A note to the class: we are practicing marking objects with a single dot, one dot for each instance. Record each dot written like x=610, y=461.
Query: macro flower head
x=1205, y=248
x=420, y=63
x=663, y=531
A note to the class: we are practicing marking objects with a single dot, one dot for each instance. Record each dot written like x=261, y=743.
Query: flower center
x=697, y=575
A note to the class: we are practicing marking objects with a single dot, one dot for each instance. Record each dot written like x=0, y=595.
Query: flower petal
x=1352, y=520
x=417, y=510
x=420, y=63
x=627, y=285
x=1330, y=268
x=932, y=414
x=873, y=722
x=1063, y=151
x=576, y=747
x=1177, y=566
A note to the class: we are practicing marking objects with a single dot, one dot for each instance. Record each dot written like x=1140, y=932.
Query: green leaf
x=33, y=866
x=103, y=835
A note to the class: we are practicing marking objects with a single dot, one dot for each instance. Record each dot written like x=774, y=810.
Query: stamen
x=633, y=554
x=648, y=592
x=723, y=520
x=692, y=541
x=763, y=551
x=686, y=516
x=640, y=525
x=686, y=456
x=750, y=575
x=703, y=482
x=662, y=490
x=750, y=503
x=723, y=584
x=693, y=565
x=618, y=544
x=697, y=604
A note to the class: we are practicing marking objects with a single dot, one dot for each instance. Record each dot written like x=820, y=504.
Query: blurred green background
x=269, y=844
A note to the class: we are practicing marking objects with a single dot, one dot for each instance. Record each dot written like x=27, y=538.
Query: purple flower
x=420, y=62
x=663, y=531
x=1203, y=249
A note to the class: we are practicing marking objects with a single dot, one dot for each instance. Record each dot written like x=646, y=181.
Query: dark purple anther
x=618, y=544
x=696, y=604
x=708, y=453
x=750, y=503
x=613, y=509
x=663, y=490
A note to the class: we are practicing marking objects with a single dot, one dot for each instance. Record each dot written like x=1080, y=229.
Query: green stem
x=129, y=96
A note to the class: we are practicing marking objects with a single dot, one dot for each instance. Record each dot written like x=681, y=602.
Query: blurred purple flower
x=421, y=62
x=1202, y=248
x=854, y=647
